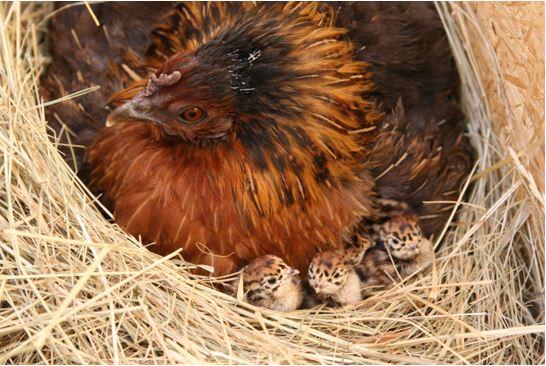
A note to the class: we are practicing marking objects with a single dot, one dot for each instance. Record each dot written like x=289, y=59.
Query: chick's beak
x=138, y=109
x=413, y=246
x=293, y=272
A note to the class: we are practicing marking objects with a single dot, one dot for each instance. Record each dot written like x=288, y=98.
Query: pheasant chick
x=270, y=283
x=333, y=276
x=403, y=238
x=401, y=250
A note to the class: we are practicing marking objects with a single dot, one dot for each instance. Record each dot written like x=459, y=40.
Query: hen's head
x=255, y=73
x=185, y=99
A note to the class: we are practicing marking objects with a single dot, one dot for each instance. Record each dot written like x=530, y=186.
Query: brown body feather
x=421, y=153
x=169, y=196
x=287, y=188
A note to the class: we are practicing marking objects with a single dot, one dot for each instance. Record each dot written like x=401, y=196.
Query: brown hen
x=266, y=130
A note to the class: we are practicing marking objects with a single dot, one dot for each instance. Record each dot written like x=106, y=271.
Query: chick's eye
x=192, y=114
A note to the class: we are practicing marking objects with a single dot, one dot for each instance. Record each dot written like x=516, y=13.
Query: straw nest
x=76, y=289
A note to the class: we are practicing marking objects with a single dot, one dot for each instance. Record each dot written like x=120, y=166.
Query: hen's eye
x=192, y=114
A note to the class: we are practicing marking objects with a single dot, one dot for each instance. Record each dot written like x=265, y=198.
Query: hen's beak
x=138, y=109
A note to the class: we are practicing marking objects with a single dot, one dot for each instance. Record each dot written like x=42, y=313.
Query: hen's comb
x=155, y=83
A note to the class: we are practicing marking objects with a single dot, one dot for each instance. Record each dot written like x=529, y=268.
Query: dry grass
x=75, y=289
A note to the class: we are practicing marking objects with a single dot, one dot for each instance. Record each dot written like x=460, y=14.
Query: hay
x=75, y=289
